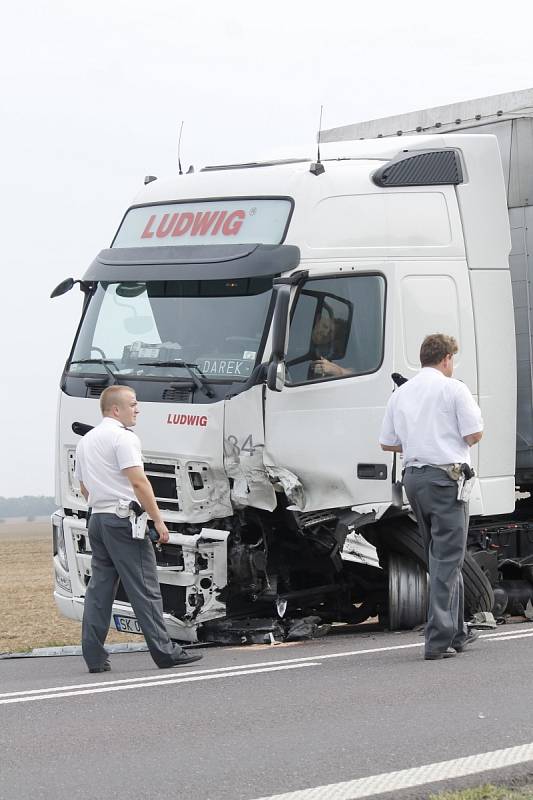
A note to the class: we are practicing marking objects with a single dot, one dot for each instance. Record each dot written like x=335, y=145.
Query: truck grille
x=177, y=395
x=168, y=395
x=95, y=390
x=163, y=480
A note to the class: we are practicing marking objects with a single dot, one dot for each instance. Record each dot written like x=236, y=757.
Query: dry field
x=28, y=615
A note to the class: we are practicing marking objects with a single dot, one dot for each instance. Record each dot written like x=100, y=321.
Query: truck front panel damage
x=244, y=444
x=192, y=571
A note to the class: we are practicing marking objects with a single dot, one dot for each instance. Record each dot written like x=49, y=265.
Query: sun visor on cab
x=192, y=262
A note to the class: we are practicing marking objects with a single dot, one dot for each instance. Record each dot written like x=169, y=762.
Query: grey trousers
x=115, y=554
x=443, y=523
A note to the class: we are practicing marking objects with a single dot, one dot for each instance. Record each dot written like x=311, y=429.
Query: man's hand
x=392, y=448
x=162, y=530
x=145, y=495
x=326, y=367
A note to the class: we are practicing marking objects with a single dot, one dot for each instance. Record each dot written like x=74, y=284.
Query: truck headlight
x=58, y=535
x=63, y=582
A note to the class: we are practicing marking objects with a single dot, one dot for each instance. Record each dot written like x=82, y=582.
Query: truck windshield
x=141, y=328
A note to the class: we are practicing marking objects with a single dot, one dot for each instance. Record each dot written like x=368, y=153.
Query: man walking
x=110, y=470
x=433, y=420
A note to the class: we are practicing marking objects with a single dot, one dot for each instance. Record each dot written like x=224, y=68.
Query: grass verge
x=487, y=792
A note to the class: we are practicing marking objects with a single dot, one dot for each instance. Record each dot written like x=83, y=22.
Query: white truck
x=259, y=311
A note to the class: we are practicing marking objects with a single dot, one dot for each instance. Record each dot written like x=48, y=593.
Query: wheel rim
x=407, y=593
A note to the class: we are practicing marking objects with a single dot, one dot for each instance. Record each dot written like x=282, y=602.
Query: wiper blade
x=103, y=361
x=176, y=363
x=200, y=383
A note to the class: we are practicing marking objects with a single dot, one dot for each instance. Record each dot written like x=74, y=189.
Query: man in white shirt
x=433, y=421
x=110, y=470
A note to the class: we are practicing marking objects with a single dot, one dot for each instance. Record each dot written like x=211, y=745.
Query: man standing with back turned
x=433, y=420
x=110, y=470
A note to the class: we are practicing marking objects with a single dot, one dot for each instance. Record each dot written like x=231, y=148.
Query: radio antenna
x=318, y=167
x=179, y=150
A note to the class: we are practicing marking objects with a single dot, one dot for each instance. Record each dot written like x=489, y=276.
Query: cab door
x=323, y=426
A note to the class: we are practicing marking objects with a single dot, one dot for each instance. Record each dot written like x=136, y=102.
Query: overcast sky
x=91, y=98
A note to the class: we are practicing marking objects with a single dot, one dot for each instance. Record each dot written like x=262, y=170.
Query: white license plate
x=126, y=624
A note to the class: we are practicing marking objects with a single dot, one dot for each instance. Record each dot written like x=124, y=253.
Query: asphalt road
x=252, y=722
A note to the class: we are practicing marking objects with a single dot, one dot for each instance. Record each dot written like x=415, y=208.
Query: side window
x=336, y=328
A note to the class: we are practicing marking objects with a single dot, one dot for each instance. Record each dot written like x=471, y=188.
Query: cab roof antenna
x=180, y=171
x=318, y=167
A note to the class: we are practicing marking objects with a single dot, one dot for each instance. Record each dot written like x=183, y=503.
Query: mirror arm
x=297, y=277
x=87, y=287
x=271, y=375
x=279, y=334
x=279, y=323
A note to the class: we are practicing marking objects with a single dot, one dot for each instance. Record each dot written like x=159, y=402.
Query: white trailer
x=259, y=311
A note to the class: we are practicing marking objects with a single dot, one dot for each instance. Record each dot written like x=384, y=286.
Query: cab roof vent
x=421, y=168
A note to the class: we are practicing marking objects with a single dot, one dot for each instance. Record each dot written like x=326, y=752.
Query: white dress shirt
x=429, y=415
x=101, y=455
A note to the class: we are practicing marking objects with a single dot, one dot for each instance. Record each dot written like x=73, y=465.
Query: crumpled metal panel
x=203, y=585
x=244, y=442
x=212, y=501
x=290, y=484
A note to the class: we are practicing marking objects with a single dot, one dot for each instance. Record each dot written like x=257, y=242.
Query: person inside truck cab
x=327, y=338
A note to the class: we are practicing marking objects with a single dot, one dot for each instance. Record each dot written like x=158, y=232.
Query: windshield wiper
x=199, y=383
x=103, y=361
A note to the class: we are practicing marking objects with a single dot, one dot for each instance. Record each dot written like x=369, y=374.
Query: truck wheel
x=402, y=536
x=407, y=593
x=478, y=589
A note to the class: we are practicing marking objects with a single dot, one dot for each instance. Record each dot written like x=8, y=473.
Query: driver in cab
x=327, y=338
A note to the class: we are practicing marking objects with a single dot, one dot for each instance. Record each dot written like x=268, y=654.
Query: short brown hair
x=436, y=347
x=111, y=397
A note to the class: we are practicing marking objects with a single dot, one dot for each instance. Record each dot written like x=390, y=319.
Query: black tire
x=401, y=535
x=407, y=593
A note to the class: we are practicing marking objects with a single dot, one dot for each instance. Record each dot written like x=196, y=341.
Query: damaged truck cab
x=259, y=311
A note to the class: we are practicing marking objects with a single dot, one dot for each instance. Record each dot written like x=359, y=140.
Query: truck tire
x=401, y=535
x=407, y=606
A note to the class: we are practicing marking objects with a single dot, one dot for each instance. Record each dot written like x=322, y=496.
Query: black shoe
x=181, y=660
x=471, y=636
x=106, y=666
x=448, y=653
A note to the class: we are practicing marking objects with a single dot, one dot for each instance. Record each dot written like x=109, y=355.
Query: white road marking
x=417, y=776
x=145, y=678
x=99, y=688
x=506, y=631
x=502, y=635
x=509, y=638
x=520, y=630
x=157, y=678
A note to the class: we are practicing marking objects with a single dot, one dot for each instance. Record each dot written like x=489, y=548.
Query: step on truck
x=259, y=311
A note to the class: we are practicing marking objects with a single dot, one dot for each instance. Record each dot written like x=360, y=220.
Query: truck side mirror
x=276, y=376
x=63, y=287
x=280, y=329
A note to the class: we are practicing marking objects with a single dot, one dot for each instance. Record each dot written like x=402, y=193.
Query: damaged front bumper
x=192, y=572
